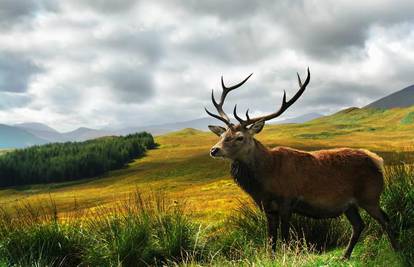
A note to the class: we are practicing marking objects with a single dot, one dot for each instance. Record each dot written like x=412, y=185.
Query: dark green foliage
x=398, y=197
x=51, y=243
x=398, y=201
x=72, y=160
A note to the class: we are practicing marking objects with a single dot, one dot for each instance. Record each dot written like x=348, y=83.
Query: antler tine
x=241, y=121
x=247, y=114
x=219, y=106
x=228, y=89
x=299, y=80
x=285, y=104
x=218, y=117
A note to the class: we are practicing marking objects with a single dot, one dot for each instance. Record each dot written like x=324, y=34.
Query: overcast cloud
x=112, y=64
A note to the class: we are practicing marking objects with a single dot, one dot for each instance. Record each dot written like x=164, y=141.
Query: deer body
x=320, y=184
x=282, y=181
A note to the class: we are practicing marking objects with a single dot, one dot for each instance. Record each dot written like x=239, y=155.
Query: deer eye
x=240, y=138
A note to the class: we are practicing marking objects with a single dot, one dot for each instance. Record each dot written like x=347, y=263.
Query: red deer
x=283, y=180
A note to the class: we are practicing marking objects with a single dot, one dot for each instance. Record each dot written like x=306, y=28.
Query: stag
x=283, y=180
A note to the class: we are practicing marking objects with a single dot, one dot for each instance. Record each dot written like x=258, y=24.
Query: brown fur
x=327, y=179
x=319, y=184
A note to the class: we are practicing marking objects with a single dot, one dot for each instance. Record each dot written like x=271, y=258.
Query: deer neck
x=247, y=171
x=256, y=157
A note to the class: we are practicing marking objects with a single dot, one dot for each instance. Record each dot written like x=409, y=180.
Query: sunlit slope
x=377, y=129
x=181, y=165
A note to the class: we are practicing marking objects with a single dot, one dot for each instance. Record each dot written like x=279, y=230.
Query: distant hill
x=399, y=99
x=38, y=133
x=14, y=137
x=202, y=124
x=42, y=131
x=156, y=129
x=83, y=134
x=27, y=134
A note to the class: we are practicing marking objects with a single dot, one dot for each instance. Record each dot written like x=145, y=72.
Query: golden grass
x=182, y=168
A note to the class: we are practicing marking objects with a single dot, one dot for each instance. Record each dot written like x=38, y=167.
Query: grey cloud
x=341, y=93
x=226, y=10
x=243, y=43
x=14, y=12
x=326, y=30
x=147, y=44
x=13, y=100
x=65, y=99
x=107, y=7
x=125, y=60
x=330, y=31
x=16, y=71
x=131, y=85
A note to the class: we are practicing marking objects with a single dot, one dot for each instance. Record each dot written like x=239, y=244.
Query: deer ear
x=256, y=127
x=218, y=130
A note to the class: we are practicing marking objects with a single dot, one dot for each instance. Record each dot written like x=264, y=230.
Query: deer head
x=237, y=140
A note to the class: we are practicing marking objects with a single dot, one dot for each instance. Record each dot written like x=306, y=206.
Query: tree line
x=58, y=162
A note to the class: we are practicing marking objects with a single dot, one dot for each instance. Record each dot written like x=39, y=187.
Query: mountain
x=35, y=126
x=83, y=134
x=38, y=133
x=15, y=137
x=399, y=99
x=27, y=134
x=42, y=131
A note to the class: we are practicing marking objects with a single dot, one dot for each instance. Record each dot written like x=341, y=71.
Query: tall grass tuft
x=398, y=201
x=144, y=230
x=35, y=237
x=245, y=232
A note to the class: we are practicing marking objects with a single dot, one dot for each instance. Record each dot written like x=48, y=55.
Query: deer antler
x=285, y=105
x=219, y=106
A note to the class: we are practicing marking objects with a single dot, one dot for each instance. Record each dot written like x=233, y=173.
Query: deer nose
x=214, y=151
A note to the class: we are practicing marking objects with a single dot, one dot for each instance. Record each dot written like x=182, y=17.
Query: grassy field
x=181, y=165
x=182, y=169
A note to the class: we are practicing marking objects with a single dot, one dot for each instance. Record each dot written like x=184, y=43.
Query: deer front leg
x=285, y=215
x=272, y=225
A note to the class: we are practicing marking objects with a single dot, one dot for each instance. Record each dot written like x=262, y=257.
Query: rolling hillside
x=399, y=99
x=181, y=165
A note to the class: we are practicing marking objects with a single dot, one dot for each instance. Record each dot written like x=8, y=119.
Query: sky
x=115, y=64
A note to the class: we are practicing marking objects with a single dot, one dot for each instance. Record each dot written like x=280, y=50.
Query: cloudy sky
x=122, y=63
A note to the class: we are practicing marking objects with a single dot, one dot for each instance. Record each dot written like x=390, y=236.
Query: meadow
x=202, y=216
